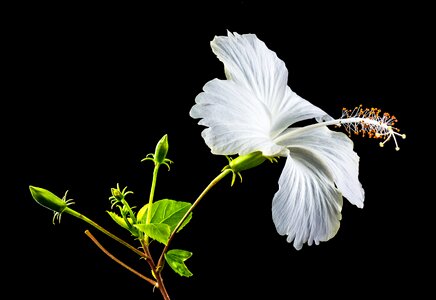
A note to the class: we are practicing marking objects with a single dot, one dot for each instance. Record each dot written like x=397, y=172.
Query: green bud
x=248, y=161
x=161, y=151
x=116, y=193
x=160, y=154
x=48, y=199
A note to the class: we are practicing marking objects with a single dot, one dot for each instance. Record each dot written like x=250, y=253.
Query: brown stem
x=156, y=272
x=109, y=234
x=151, y=281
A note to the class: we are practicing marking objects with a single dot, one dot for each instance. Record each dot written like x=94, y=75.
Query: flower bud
x=116, y=193
x=161, y=151
x=248, y=161
x=48, y=199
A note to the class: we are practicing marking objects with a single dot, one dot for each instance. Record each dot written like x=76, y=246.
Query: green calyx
x=127, y=218
x=244, y=162
x=118, y=195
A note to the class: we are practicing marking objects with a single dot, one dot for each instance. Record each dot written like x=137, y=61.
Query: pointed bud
x=159, y=157
x=161, y=151
x=116, y=193
x=48, y=199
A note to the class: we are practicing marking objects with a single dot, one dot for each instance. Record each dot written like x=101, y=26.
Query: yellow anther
x=368, y=122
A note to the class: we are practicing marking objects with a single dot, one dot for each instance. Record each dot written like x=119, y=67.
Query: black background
x=89, y=90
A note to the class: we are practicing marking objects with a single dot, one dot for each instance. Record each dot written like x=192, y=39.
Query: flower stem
x=205, y=191
x=131, y=214
x=145, y=242
x=89, y=221
x=151, y=197
x=151, y=281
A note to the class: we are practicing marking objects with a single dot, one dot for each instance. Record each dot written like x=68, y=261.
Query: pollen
x=372, y=123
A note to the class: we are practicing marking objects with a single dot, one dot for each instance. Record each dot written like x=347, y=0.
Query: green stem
x=205, y=191
x=89, y=221
x=153, y=188
x=131, y=213
x=150, y=200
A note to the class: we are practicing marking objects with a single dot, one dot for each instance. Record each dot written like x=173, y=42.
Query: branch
x=151, y=281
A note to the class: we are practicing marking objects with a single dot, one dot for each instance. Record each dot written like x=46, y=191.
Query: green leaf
x=176, y=260
x=157, y=231
x=118, y=219
x=166, y=211
x=142, y=213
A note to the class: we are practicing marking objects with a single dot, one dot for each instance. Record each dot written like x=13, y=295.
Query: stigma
x=371, y=122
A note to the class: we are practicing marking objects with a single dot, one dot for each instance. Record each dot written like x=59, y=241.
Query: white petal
x=245, y=112
x=307, y=206
x=294, y=109
x=238, y=123
x=249, y=63
x=336, y=151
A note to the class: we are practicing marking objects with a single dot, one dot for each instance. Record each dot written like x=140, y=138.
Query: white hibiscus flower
x=254, y=109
